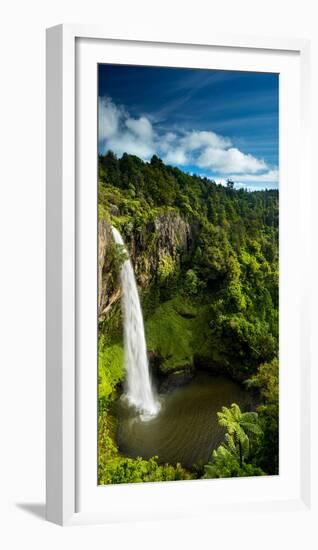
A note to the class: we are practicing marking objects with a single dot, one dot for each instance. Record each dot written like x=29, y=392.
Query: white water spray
x=139, y=391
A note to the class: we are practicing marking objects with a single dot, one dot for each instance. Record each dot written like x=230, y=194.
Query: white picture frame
x=72, y=493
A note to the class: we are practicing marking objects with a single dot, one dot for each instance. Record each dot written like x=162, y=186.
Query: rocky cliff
x=155, y=251
x=108, y=290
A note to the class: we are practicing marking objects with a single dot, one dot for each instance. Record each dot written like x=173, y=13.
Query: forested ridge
x=206, y=262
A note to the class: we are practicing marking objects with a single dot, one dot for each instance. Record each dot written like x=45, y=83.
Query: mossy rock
x=174, y=333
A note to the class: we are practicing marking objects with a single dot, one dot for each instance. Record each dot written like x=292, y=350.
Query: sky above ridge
x=214, y=123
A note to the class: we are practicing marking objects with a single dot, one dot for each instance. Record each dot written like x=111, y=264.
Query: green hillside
x=206, y=263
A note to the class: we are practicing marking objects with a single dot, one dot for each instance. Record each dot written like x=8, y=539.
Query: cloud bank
x=207, y=151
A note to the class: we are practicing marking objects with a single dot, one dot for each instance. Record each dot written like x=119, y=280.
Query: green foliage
x=192, y=284
x=226, y=464
x=118, y=256
x=169, y=335
x=231, y=262
x=235, y=457
x=239, y=424
x=243, y=430
x=178, y=333
x=107, y=448
x=138, y=470
x=266, y=381
x=112, y=467
x=244, y=341
x=166, y=267
x=213, y=302
x=110, y=369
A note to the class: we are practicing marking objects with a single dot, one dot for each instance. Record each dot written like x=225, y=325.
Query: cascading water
x=139, y=390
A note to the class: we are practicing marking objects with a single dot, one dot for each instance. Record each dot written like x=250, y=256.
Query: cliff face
x=107, y=291
x=154, y=251
x=159, y=247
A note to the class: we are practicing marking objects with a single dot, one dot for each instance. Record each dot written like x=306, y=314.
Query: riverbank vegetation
x=206, y=263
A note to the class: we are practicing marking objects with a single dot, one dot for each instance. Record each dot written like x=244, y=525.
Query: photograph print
x=188, y=265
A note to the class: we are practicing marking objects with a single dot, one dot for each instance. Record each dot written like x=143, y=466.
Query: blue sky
x=218, y=124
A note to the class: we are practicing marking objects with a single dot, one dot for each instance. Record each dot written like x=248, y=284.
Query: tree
x=229, y=183
x=234, y=457
x=239, y=427
x=266, y=381
x=110, y=168
x=156, y=161
x=226, y=464
x=191, y=283
x=224, y=245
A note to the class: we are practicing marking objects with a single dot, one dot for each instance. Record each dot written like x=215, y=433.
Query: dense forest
x=205, y=258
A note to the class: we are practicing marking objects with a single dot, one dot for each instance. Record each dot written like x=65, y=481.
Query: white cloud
x=141, y=127
x=122, y=133
x=167, y=141
x=109, y=117
x=176, y=156
x=197, y=140
x=126, y=142
x=230, y=160
x=184, y=150
x=251, y=182
x=268, y=177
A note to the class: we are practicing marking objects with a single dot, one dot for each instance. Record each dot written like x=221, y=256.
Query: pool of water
x=186, y=430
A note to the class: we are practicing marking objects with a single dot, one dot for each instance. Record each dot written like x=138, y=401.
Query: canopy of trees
x=219, y=301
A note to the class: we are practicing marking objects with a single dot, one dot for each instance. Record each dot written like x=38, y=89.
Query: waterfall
x=139, y=392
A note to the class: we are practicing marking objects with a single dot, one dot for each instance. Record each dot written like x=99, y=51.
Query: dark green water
x=186, y=429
